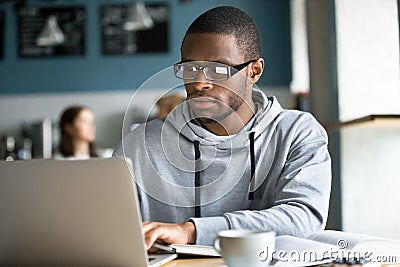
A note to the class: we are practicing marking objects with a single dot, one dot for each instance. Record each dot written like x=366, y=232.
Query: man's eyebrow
x=183, y=60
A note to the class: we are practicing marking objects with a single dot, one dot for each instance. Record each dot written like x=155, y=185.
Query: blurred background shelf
x=377, y=120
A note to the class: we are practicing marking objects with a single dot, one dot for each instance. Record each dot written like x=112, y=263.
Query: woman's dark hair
x=66, y=147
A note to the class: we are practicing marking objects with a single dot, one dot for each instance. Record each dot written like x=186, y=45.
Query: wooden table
x=196, y=262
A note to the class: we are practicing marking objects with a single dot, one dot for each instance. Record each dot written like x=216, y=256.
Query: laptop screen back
x=69, y=213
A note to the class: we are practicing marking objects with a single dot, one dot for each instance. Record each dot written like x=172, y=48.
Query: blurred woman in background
x=78, y=133
x=168, y=103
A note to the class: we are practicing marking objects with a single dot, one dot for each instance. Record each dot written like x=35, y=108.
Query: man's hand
x=183, y=233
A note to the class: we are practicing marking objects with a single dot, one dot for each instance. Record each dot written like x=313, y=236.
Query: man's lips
x=201, y=102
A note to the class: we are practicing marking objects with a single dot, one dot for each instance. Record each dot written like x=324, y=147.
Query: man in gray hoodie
x=229, y=157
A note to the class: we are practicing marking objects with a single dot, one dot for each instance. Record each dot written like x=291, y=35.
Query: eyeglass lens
x=190, y=72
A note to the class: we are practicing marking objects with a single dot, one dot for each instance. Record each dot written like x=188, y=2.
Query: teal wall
x=96, y=72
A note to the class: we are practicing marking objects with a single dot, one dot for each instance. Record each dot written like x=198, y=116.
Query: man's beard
x=235, y=101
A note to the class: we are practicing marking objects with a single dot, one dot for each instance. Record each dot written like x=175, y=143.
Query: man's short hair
x=229, y=20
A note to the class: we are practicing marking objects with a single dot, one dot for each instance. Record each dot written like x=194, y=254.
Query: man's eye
x=191, y=68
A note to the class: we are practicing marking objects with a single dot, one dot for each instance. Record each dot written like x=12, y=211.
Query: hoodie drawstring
x=197, y=173
x=197, y=155
x=253, y=167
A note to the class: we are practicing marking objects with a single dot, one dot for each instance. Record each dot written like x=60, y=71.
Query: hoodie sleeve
x=302, y=192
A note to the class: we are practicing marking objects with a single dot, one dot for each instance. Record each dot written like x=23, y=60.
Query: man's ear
x=255, y=70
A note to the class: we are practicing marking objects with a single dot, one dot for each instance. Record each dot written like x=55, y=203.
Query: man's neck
x=234, y=122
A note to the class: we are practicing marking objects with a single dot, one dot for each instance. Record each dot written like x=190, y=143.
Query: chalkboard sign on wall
x=1, y=33
x=117, y=40
x=96, y=71
x=33, y=20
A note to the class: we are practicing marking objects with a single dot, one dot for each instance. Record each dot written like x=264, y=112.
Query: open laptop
x=71, y=213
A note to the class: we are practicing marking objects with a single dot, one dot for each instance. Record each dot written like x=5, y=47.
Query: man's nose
x=200, y=83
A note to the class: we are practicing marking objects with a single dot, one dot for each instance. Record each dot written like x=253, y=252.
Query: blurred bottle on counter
x=11, y=153
x=25, y=151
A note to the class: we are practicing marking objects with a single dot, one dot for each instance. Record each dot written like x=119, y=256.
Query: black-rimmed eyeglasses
x=213, y=71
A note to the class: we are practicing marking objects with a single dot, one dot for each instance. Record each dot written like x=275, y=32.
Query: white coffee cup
x=247, y=248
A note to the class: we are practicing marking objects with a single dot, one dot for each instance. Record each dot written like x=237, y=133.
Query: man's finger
x=150, y=237
x=147, y=226
x=153, y=249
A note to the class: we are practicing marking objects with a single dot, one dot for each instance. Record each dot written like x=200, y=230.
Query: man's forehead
x=211, y=47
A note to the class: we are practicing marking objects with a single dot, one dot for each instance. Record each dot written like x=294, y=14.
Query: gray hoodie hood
x=240, y=145
x=267, y=109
